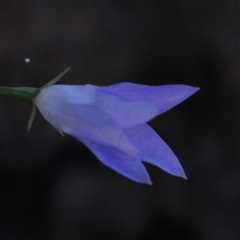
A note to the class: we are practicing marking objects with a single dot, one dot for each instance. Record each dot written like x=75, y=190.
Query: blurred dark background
x=54, y=188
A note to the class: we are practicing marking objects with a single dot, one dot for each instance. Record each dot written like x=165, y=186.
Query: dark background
x=54, y=188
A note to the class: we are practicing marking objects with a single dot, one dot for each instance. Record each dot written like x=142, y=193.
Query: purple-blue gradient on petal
x=128, y=165
x=154, y=150
x=111, y=122
x=162, y=97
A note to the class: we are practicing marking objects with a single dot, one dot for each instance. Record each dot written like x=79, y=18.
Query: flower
x=111, y=122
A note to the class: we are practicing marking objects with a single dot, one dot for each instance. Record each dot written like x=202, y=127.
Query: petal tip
x=195, y=89
x=146, y=180
x=191, y=90
x=183, y=175
x=149, y=183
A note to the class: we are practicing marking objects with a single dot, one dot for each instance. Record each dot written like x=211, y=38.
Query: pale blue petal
x=92, y=123
x=125, y=164
x=154, y=149
x=124, y=113
x=162, y=97
x=82, y=120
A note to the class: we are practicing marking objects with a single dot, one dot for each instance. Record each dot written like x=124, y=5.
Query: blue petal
x=162, y=97
x=129, y=166
x=125, y=113
x=154, y=149
x=86, y=121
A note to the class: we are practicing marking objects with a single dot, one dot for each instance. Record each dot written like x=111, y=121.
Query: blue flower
x=111, y=122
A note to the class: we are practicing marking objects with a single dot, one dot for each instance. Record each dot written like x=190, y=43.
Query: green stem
x=26, y=94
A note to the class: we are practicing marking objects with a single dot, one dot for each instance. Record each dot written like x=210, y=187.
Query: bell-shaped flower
x=111, y=122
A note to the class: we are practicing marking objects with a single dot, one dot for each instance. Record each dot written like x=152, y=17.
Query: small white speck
x=27, y=60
